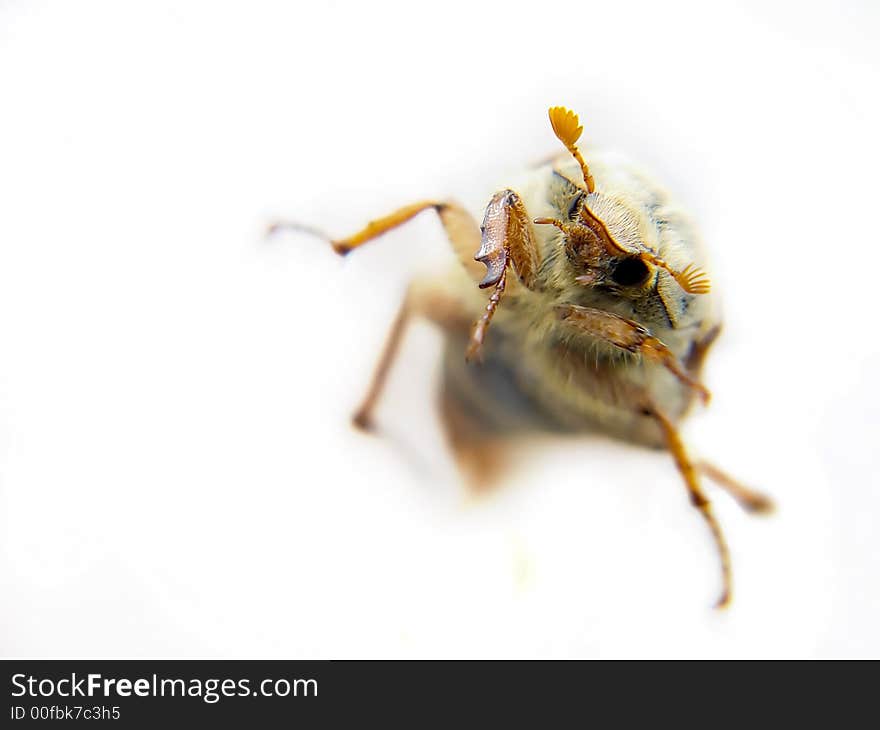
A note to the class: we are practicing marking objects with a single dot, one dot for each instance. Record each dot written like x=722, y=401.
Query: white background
x=177, y=473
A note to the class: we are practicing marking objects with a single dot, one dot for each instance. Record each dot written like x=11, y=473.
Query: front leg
x=628, y=336
x=508, y=238
x=460, y=227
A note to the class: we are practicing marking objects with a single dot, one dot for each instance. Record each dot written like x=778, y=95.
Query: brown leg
x=478, y=331
x=508, y=237
x=437, y=308
x=373, y=229
x=460, y=227
x=693, y=361
x=508, y=240
x=749, y=499
x=363, y=416
x=377, y=227
x=629, y=336
x=698, y=498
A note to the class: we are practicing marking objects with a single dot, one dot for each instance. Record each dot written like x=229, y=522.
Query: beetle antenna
x=568, y=130
x=692, y=278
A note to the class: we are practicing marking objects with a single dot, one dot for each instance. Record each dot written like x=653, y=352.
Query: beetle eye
x=630, y=272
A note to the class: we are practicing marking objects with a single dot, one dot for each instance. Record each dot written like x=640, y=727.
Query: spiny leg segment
x=629, y=336
x=508, y=239
x=478, y=331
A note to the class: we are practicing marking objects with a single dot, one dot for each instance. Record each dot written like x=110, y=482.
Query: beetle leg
x=693, y=361
x=377, y=227
x=478, y=330
x=460, y=227
x=629, y=336
x=432, y=304
x=688, y=471
x=508, y=239
x=749, y=499
x=363, y=416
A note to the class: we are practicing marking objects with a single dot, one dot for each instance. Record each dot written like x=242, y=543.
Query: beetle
x=599, y=316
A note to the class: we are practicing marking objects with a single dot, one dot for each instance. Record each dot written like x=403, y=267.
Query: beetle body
x=600, y=316
x=540, y=373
